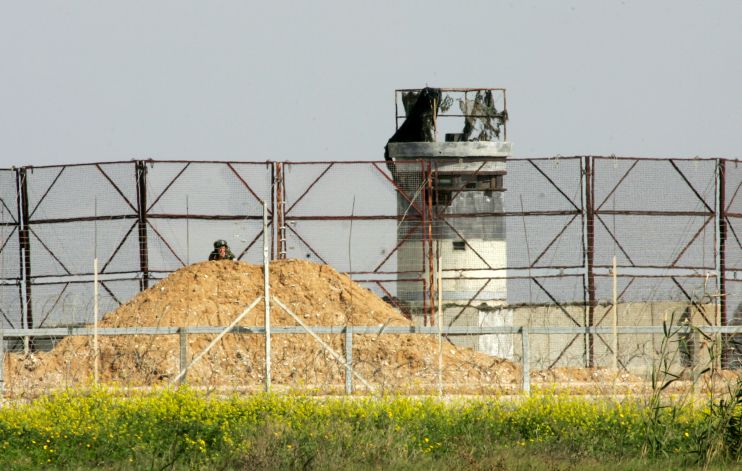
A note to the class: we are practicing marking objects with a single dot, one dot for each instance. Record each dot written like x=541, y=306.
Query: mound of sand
x=214, y=293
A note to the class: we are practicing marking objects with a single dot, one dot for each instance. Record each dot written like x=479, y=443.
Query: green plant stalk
x=184, y=428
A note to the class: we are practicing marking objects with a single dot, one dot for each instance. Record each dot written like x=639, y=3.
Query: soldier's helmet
x=220, y=243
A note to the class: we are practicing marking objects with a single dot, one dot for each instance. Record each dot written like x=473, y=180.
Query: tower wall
x=468, y=233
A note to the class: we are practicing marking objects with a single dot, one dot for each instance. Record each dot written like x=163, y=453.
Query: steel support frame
x=721, y=230
x=708, y=216
x=576, y=211
x=726, y=227
x=148, y=215
x=25, y=228
x=141, y=185
x=580, y=209
x=422, y=219
x=590, y=212
x=589, y=205
x=280, y=194
x=32, y=221
x=15, y=224
x=24, y=247
x=432, y=286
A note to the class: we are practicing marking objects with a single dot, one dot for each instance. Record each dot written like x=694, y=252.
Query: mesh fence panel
x=535, y=253
x=72, y=304
x=663, y=185
x=353, y=246
x=651, y=301
x=544, y=242
x=192, y=240
x=543, y=185
x=81, y=191
x=201, y=188
x=355, y=217
x=10, y=269
x=733, y=343
x=192, y=204
x=64, y=203
x=734, y=243
x=9, y=255
x=330, y=189
x=10, y=306
x=546, y=197
x=68, y=248
x=655, y=213
x=654, y=241
x=733, y=208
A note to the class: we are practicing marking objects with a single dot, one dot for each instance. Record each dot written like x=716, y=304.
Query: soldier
x=221, y=251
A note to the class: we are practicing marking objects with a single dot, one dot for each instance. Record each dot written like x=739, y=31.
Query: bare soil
x=214, y=293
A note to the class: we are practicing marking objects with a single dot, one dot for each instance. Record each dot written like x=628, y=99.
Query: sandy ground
x=215, y=293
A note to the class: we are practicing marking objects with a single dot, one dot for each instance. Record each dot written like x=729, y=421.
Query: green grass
x=184, y=429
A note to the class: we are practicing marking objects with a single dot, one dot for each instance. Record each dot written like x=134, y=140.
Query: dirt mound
x=214, y=293
x=565, y=375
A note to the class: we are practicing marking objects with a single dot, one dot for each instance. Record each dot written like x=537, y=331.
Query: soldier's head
x=221, y=247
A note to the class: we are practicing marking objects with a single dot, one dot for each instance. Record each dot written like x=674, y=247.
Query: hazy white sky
x=85, y=81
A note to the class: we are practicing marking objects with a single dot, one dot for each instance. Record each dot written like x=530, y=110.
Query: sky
x=87, y=81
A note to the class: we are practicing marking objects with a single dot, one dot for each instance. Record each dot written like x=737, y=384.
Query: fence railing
x=672, y=335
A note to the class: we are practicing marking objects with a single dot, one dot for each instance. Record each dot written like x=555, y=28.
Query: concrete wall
x=638, y=353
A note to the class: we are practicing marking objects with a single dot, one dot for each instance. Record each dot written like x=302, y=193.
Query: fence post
x=615, y=315
x=24, y=247
x=279, y=214
x=183, y=357
x=588, y=191
x=96, y=353
x=428, y=204
x=216, y=340
x=266, y=298
x=721, y=231
x=439, y=322
x=526, y=360
x=141, y=176
x=2, y=360
x=348, y=360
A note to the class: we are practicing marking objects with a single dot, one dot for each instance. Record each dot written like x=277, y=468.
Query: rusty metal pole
x=424, y=232
x=590, y=255
x=439, y=323
x=721, y=269
x=614, y=276
x=141, y=178
x=273, y=208
x=25, y=251
x=431, y=254
x=279, y=208
x=583, y=218
x=280, y=215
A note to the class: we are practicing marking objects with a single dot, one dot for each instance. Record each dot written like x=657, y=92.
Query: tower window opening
x=442, y=198
x=459, y=245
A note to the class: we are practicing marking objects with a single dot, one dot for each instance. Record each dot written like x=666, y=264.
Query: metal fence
x=336, y=371
x=672, y=225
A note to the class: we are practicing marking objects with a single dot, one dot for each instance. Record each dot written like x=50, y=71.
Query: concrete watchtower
x=465, y=206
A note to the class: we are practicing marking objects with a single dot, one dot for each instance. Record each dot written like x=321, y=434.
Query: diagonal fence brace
x=217, y=339
x=324, y=345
